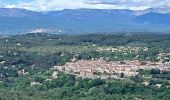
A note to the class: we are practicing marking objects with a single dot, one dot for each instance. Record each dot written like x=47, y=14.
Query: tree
x=97, y=82
x=122, y=75
x=155, y=71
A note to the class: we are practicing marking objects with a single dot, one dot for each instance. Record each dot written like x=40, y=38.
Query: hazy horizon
x=52, y=5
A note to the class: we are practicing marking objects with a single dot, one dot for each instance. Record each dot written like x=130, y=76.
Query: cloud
x=134, y=3
x=50, y=5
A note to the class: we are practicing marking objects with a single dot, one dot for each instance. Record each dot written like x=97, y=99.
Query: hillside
x=30, y=63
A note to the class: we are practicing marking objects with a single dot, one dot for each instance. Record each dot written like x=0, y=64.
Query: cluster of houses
x=102, y=69
x=122, y=49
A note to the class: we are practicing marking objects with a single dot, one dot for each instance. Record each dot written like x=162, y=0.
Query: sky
x=51, y=5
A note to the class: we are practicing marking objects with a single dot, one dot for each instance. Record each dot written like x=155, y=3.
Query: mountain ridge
x=15, y=21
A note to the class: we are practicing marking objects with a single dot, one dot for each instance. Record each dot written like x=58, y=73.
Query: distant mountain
x=17, y=21
x=153, y=10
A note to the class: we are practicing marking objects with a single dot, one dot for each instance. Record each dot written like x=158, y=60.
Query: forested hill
x=37, y=39
x=27, y=67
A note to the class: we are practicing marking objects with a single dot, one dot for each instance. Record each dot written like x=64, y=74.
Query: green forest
x=29, y=58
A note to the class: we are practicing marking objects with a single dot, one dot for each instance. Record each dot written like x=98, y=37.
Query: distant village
x=99, y=68
x=122, y=49
x=104, y=70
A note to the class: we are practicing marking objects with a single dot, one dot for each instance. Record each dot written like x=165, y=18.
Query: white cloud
x=134, y=3
x=48, y=5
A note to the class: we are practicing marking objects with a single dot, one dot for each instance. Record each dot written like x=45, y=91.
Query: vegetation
x=26, y=63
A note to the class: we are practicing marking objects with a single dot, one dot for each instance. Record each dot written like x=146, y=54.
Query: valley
x=41, y=66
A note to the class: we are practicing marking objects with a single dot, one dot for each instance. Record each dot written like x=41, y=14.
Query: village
x=122, y=49
x=100, y=68
x=104, y=70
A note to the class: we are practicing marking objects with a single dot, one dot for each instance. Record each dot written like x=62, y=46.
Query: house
x=55, y=74
x=58, y=68
x=85, y=72
x=34, y=83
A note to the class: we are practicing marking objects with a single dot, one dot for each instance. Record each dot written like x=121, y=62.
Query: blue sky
x=50, y=5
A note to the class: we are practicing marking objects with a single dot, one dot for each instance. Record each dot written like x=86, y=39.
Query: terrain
x=27, y=65
x=19, y=21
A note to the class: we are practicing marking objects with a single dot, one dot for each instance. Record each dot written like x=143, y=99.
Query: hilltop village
x=114, y=69
x=101, y=68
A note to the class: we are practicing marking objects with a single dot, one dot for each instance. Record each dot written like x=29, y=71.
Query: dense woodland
x=36, y=39
x=37, y=53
